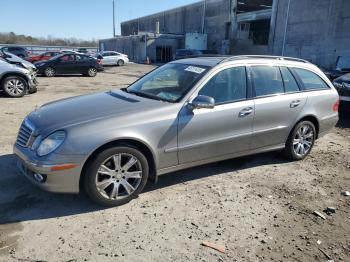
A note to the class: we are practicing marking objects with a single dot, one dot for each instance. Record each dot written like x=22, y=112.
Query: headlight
x=51, y=143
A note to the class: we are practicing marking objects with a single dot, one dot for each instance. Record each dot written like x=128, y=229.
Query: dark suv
x=342, y=84
x=19, y=51
x=342, y=67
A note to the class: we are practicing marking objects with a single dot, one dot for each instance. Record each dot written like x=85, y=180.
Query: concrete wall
x=317, y=30
x=187, y=19
x=134, y=47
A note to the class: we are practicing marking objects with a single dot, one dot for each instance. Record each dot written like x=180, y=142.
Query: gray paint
x=176, y=136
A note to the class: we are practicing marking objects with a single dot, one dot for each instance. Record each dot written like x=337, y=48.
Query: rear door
x=278, y=102
x=226, y=128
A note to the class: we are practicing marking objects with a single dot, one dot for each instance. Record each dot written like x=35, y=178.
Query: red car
x=43, y=57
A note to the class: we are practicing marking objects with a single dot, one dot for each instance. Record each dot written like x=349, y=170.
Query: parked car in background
x=16, y=81
x=13, y=59
x=82, y=50
x=183, y=114
x=342, y=67
x=70, y=64
x=112, y=58
x=19, y=51
x=43, y=57
x=185, y=53
x=342, y=84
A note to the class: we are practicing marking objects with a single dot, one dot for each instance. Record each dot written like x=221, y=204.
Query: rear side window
x=290, y=84
x=267, y=80
x=310, y=80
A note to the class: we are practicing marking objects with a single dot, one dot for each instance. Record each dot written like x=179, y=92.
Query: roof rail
x=232, y=58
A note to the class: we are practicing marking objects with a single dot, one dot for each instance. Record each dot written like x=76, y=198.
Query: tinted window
x=227, y=85
x=310, y=80
x=267, y=80
x=67, y=58
x=290, y=84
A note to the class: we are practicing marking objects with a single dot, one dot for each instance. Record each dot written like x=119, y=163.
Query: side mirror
x=202, y=102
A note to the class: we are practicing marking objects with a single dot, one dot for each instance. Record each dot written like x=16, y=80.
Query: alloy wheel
x=14, y=87
x=119, y=176
x=49, y=72
x=92, y=72
x=303, y=140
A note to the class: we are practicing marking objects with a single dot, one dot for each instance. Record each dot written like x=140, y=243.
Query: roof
x=213, y=60
x=210, y=61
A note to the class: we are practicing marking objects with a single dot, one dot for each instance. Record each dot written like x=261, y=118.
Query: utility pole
x=203, y=18
x=113, y=20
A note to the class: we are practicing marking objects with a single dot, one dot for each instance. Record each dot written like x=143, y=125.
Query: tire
x=120, y=62
x=300, y=141
x=92, y=72
x=14, y=86
x=50, y=72
x=103, y=177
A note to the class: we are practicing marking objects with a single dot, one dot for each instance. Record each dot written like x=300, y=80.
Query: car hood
x=82, y=109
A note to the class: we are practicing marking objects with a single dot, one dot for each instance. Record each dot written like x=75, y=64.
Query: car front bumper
x=55, y=179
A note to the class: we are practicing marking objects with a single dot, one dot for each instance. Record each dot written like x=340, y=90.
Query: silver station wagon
x=183, y=114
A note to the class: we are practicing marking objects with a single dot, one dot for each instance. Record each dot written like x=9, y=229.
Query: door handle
x=294, y=104
x=245, y=112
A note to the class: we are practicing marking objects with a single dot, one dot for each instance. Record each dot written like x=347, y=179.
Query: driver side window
x=229, y=85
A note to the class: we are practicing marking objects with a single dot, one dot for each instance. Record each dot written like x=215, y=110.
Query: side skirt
x=166, y=170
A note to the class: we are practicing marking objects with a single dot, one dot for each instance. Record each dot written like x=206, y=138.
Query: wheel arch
x=13, y=74
x=313, y=119
x=140, y=145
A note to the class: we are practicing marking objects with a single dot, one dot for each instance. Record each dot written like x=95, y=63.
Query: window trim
x=248, y=86
x=301, y=89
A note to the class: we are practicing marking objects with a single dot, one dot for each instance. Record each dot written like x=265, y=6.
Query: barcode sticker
x=195, y=69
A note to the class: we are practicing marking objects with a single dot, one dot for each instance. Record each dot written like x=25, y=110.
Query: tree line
x=12, y=38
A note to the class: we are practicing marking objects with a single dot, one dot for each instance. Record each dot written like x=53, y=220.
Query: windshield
x=343, y=63
x=169, y=82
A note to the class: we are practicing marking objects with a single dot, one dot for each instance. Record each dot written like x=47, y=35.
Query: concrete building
x=316, y=30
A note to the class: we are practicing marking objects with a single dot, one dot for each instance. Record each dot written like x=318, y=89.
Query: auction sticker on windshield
x=195, y=69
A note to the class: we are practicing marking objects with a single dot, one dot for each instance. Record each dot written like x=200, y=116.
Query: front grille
x=24, y=135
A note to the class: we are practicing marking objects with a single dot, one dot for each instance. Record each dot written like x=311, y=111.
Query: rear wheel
x=301, y=140
x=50, y=72
x=116, y=176
x=120, y=62
x=92, y=72
x=14, y=86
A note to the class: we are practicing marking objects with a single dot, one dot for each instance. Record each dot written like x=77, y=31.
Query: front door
x=66, y=64
x=225, y=129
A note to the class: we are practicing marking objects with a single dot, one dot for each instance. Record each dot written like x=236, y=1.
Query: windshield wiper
x=146, y=95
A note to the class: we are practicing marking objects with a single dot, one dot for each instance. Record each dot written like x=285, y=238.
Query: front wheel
x=301, y=140
x=116, y=176
x=120, y=62
x=14, y=86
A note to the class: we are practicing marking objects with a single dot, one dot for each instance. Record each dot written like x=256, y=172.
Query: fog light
x=39, y=177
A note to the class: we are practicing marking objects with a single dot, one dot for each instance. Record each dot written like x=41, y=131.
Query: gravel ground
x=260, y=208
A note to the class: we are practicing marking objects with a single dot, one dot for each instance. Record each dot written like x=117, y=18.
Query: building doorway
x=164, y=54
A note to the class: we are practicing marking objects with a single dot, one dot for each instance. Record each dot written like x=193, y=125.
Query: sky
x=83, y=19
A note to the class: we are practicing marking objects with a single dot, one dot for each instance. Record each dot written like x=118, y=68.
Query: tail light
x=99, y=61
x=336, y=106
